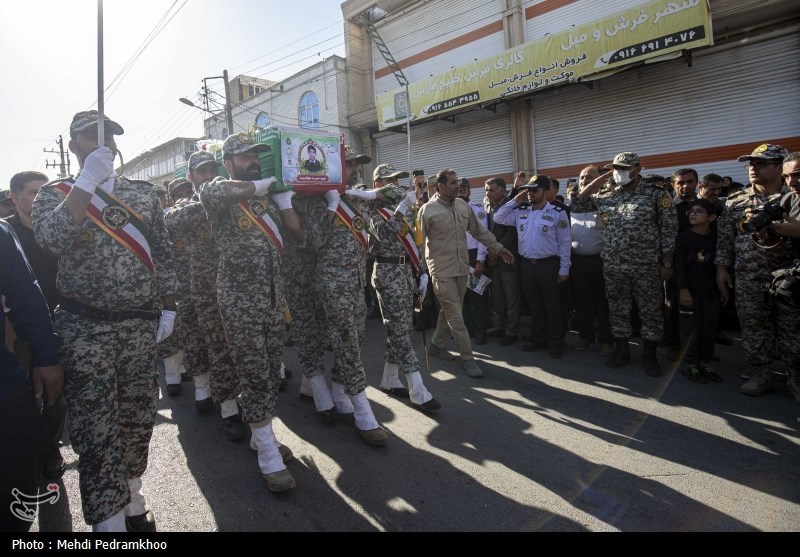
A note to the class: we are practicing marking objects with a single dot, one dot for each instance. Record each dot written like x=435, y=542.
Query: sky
x=50, y=71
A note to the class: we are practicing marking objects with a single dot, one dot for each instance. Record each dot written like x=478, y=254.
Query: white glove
x=97, y=167
x=332, y=197
x=262, y=186
x=283, y=199
x=406, y=203
x=165, y=324
x=369, y=195
x=423, y=286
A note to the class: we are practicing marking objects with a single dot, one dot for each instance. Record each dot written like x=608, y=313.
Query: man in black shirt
x=24, y=187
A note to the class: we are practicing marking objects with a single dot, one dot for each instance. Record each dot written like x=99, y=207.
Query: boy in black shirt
x=695, y=277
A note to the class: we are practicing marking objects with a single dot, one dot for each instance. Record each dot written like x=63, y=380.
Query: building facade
x=157, y=165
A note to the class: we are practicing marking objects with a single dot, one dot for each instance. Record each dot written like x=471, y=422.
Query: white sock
x=171, y=370
x=228, y=408
x=417, y=391
x=343, y=403
x=391, y=378
x=137, y=505
x=283, y=371
x=202, y=386
x=365, y=419
x=269, y=458
x=322, y=395
x=114, y=524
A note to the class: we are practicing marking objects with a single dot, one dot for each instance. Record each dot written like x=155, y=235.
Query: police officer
x=477, y=307
x=544, y=247
x=753, y=264
x=114, y=262
x=639, y=237
x=246, y=227
x=397, y=266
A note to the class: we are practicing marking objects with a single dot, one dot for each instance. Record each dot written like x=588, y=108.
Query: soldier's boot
x=235, y=428
x=137, y=517
x=760, y=381
x=366, y=423
x=421, y=398
x=650, y=358
x=326, y=410
x=390, y=382
x=202, y=393
x=270, y=461
x=344, y=406
x=114, y=524
x=622, y=354
x=172, y=373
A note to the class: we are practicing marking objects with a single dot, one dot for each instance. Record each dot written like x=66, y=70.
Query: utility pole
x=63, y=167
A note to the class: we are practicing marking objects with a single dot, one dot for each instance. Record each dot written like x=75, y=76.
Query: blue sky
x=49, y=69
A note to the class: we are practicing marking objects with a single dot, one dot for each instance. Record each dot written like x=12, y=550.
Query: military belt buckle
x=115, y=315
x=401, y=259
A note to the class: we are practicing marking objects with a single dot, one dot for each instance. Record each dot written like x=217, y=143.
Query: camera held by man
x=418, y=179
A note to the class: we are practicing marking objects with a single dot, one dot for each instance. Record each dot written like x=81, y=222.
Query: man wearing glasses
x=754, y=264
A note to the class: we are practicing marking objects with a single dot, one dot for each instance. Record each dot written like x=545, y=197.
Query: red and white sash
x=265, y=223
x=405, y=237
x=354, y=221
x=119, y=221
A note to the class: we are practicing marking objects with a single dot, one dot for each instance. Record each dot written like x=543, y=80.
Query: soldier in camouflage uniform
x=753, y=263
x=187, y=220
x=171, y=349
x=397, y=264
x=640, y=230
x=246, y=229
x=114, y=263
x=336, y=231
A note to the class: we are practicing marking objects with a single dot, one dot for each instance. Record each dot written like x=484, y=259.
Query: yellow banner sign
x=628, y=37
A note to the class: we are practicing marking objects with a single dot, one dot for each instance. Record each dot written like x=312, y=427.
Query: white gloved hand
x=423, y=286
x=283, y=199
x=97, y=167
x=262, y=186
x=332, y=197
x=166, y=323
x=406, y=203
x=369, y=195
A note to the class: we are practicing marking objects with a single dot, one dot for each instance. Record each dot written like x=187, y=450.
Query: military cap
x=626, y=160
x=388, y=171
x=350, y=155
x=159, y=188
x=463, y=183
x=199, y=158
x=766, y=151
x=83, y=120
x=537, y=181
x=176, y=183
x=240, y=143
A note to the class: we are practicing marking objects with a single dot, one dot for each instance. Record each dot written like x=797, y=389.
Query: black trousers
x=477, y=309
x=698, y=327
x=542, y=292
x=589, y=292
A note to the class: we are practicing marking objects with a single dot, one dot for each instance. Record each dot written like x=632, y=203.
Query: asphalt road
x=538, y=444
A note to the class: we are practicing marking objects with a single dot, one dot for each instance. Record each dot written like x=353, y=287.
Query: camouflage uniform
x=250, y=297
x=110, y=367
x=300, y=283
x=340, y=278
x=640, y=225
x=753, y=266
x=189, y=224
x=788, y=321
x=395, y=285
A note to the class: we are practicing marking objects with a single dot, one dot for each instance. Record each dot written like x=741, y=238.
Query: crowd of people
x=106, y=275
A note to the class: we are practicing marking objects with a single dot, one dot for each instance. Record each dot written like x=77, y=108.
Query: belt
x=113, y=315
x=402, y=260
x=535, y=261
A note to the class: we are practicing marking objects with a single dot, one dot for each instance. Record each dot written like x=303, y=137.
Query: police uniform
x=544, y=244
x=107, y=322
x=753, y=266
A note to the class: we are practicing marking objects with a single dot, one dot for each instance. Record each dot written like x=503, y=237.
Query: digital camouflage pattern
x=640, y=226
x=250, y=297
x=191, y=226
x=395, y=286
x=753, y=267
x=110, y=368
x=341, y=270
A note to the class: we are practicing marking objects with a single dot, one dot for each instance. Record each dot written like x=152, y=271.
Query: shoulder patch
x=666, y=201
x=562, y=224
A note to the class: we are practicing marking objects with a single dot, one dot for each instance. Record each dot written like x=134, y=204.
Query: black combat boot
x=622, y=354
x=649, y=359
